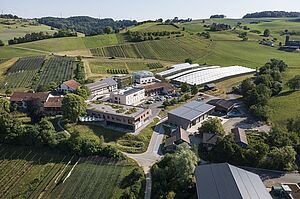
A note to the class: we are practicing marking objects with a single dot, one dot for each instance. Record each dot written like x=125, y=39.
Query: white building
x=102, y=87
x=130, y=96
x=143, y=77
x=69, y=86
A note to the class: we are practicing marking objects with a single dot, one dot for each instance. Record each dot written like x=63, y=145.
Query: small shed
x=210, y=86
x=240, y=137
x=222, y=105
x=178, y=136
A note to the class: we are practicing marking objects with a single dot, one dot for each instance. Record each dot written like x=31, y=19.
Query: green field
x=153, y=27
x=20, y=28
x=29, y=173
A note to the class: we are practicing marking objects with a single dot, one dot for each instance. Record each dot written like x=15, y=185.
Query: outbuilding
x=190, y=114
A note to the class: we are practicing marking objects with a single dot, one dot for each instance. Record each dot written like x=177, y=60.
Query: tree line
x=144, y=36
x=86, y=25
x=9, y=16
x=35, y=36
x=272, y=14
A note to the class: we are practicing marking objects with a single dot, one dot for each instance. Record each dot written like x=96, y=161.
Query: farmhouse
x=290, y=45
x=178, y=136
x=51, y=104
x=222, y=105
x=130, y=96
x=69, y=86
x=143, y=77
x=189, y=114
x=224, y=181
x=21, y=99
x=158, y=88
x=102, y=87
x=240, y=137
x=122, y=116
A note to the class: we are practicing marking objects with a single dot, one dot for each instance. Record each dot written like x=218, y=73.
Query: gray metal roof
x=192, y=110
x=132, y=90
x=142, y=74
x=224, y=181
x=110, y=81
x=102, y=84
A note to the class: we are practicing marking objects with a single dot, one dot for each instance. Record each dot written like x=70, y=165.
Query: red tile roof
x=155, y=86
x=22, y=96
x=54, y=102
x=72, y=84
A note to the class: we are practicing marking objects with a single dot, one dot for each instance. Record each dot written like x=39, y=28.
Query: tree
x=279, y=138
x=294, y=83
x=267, y=33
x=82, y=93
x=276, y=88
x=282, y=158
x=35, y=109
x=212, y=125
x=260, y=111
x=11, y=128
x=185, y=87
x=194, y=89
x=245, y=86
x=4, y=105
x=8, y=92
x=188, y=60
x=51, y=86
x=108, y=30
x=175, y=172
x=73, y=106
x=1, y=43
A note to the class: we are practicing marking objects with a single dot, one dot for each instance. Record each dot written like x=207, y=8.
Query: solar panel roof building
x=189, y=114
x=224, y=181
x=211, y=75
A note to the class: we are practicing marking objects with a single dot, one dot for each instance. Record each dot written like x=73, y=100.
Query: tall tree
x=267, y=33
x=294, y=83
x=212, y=125
x=73, y=106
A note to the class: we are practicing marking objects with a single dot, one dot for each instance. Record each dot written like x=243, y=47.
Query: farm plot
x=174, y=49
x=22, y=73
x=58, y=69
x=26, y=173
x=94, y=177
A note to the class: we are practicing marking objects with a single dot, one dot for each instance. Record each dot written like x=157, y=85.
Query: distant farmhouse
x=290, y=45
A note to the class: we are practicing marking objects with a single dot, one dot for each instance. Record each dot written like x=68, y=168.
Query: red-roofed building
x=53, y=105
x=158, y=88
x=69, y=86
x=21, y=98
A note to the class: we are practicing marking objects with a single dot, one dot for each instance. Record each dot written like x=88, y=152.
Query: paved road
x=151, y=156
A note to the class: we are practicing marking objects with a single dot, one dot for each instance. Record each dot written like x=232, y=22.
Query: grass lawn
x=100, y=40
x=11, y=52
x=153, y=27
x=102, y=67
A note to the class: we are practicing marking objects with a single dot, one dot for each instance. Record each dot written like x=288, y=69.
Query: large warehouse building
x=190, y=114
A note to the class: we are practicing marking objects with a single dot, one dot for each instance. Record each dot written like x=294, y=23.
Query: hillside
x=10, y=28
x=223, y=48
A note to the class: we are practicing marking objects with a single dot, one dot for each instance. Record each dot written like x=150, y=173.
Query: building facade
x=143, y=77
x=69, y=86
x=158, y=88
x=102, y=87
x=122, y=116
x=130, y=96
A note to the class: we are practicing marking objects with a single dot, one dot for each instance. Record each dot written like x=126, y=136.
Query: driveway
x=151, y=156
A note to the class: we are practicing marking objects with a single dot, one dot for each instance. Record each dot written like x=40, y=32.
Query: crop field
x=29, y=173
x=58, y=69
x=22, y=73
x=176, y=49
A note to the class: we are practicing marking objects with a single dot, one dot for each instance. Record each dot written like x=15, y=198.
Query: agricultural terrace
x=58, y=69
x=173, y=49
x=22, y=73
x=29, y=173
x=104, y=67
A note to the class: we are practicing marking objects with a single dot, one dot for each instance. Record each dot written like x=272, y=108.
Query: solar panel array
x=210, y=75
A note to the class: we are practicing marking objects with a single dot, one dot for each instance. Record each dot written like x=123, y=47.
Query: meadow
x=30, y=173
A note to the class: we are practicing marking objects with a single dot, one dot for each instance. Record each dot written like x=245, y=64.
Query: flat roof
x=128, y=91
x=192, y=110
x=116, y=109
x=191, y=71
x=224, y=181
